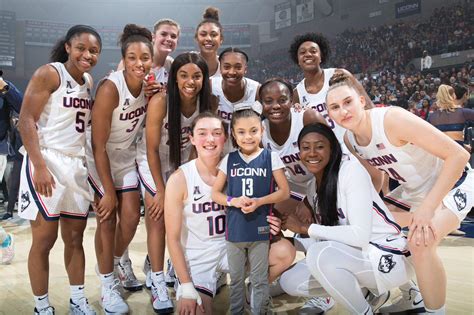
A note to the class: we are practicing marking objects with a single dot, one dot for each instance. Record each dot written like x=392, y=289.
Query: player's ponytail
x=59, y=53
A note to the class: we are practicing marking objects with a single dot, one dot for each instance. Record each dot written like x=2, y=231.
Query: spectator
x=426, y=61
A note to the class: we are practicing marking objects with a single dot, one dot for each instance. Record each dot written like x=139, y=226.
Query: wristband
x=229, y=199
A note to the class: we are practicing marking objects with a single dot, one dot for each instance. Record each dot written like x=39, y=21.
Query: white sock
x=124, y=257
x=439, y=311
x=107, y=279
x=116, y=261
x=77, y=292
x=41, y=302
x=157, y=277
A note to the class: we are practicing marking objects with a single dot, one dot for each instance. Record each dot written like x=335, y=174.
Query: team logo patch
x=25, y=200
x=460, y=198
x=386, y=263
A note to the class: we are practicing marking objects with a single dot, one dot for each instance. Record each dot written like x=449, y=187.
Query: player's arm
x=403, y=127
x=106, y=101
x=296, y=97
x=376, y=175
x=156, y=112
x=44, y=82
x=283, y=192
x=187, y=295
x=217, y=195
x=311, y=117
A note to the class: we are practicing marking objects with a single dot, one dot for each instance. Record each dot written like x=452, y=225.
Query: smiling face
x=209, y=38
x=345, y=106
x=189, y=78
x=276, y=101
x=208, y=137
x=309, y=56
x=83, y=51
x=247, y=132
x=315, y=151
x=165, y=39
x=233, y=68
x=138, y=60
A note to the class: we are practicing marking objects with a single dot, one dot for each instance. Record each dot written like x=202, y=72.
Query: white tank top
x=218, y=72
x=226, y=107
x=166, y=168
x=128, y=116
x=414, y=168
x=203, y=220
x=64, y=119
x=289, y=152
x=318, y=103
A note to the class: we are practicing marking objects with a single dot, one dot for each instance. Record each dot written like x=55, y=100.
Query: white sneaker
x=127, y=277
x=112, y=301
x=80, y=308
x=8, y=253
x=410, y=302
x=160, y=299
x=316, y=305
x=376, y=302
x=146, y=265
x=45, y=311
x=170, y=276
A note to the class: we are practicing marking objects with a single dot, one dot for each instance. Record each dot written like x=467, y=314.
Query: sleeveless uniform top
x=226, y=107
x=203, y=223
x=166, y=168
x=318, y=103
x=253, y=179
x=218, y=72
x=65, y=116
x=127, y=117
x=415, y=169
x=289, y=152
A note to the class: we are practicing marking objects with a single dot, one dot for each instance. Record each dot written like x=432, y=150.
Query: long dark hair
x=327, y=191
x=59, y=53
x=174, y=101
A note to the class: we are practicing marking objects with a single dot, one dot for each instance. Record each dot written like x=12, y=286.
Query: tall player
x=118, y=113
x=209, y=37
x=55, y=112
x=436, y=183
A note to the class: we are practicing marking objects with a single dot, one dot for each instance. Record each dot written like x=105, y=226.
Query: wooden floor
x=16, y=297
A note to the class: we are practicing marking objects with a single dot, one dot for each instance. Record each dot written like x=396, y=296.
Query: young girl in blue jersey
x=250, y=174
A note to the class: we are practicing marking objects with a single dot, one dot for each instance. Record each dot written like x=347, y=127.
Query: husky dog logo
x=460, y=199
x=25, y=200
x=386, y=263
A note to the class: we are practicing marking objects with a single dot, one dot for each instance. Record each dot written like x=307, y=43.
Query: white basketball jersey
x=218, y=72
x=226, y=107
x=289, y=152
x=203, y=219
x=414, y=168
x=166, y=168
x=62, y=124
x=318, y=103
x=383, y=222
x=128, y=116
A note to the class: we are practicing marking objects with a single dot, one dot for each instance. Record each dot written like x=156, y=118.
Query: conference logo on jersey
x=460, y=198
x=25, y=200
x=386, y=263
x=126, y=104
x=69, y=86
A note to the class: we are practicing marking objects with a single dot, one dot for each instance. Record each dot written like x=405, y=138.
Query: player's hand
x=106, y=206
x=251, y=205
x=43, y=181
x=303, y=213
x=153, y=87
x=298, y=107
x=188, y=298
x=421, y=229
x=240, y=202
x=293, y=224
x=155, y=210
x=275, y=224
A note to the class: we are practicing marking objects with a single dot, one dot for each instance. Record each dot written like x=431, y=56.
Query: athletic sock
x=125, y=257
x=157, y=277
x=439, y=311
x=107, y=279
x=41, y=302
x=77, y=293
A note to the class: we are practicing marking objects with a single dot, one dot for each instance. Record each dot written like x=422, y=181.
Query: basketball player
x=54, y=115
x=250, y=174
x=118, y=113
x=355, y=243
x=209, y=37
x=233, y=88
x=436, y=184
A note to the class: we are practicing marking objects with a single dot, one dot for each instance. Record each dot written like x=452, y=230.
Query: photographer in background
x=10, y=104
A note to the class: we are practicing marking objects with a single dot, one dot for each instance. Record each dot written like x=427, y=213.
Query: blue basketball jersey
x=254, y=180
